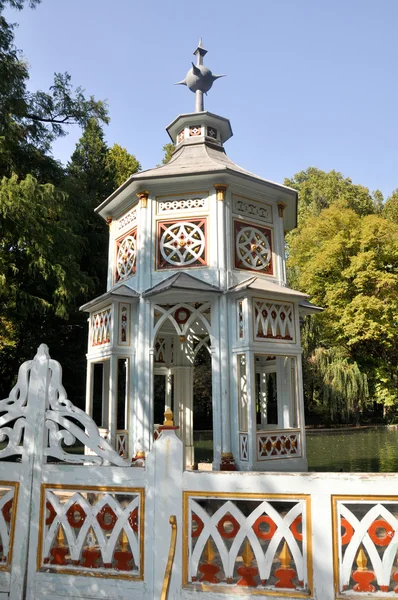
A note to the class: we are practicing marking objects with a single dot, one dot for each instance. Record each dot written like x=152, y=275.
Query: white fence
x=91, y=526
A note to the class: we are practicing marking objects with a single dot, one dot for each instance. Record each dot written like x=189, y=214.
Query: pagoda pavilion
x=197, y=260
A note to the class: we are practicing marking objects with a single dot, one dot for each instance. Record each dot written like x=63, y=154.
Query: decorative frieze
x=251, y=209
x=182, y=204
x=182, y=243
x=366, y=531
x=250, y=540
x=253, y=248
x=129, y=219
x=126, y=255
x=283, y=444
x=273, y=320
x=101, y=327
x=91, y=531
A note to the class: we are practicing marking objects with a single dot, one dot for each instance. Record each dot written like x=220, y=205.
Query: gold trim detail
x=169, y=567
x=220, y=188
x=143, y=198
x=281, y=207
x=168, y=417
x=109, y=221
x=91, y=488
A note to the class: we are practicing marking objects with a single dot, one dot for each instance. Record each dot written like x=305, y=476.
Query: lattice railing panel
x=273, y=321
x=8, y=501
x=101, y=327
x=366, y=534
x=92, y=531
x=281, y=444
x=247, y=540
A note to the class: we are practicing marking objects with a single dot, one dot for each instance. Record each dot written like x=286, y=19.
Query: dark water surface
x=371, y=450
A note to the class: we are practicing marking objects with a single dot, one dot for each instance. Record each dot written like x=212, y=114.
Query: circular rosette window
x=126, y=257
x=253, y=248
x=182, y=243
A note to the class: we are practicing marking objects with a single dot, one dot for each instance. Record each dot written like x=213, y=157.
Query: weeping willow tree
x=342, y=389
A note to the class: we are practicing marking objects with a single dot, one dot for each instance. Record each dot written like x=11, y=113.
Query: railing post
x=164, y=500
x=31, y=459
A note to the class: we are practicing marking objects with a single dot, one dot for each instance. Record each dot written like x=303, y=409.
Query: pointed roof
x=181, y=281
x=122, y=291
x=265, y=285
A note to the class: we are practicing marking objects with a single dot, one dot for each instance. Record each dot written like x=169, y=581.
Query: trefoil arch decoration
x=183, y=316
x=182, y=243
x=253, y=248
x=126, y=255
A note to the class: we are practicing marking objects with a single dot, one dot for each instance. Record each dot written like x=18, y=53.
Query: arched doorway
x=180, y=337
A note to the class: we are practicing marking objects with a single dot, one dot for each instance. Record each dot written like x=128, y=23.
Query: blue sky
x=309, y=82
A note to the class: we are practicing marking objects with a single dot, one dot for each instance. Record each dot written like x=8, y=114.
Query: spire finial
x=199, y=78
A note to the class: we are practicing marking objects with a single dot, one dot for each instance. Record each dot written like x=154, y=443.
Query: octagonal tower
x=197, y=260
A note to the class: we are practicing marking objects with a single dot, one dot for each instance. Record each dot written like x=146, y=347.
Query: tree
x=349, y=264
x=390, y=209
x=30, y=121
x=122, y=164
x=319, y=190
x=168, y=150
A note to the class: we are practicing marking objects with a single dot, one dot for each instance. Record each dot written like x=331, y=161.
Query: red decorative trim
x=228, y=518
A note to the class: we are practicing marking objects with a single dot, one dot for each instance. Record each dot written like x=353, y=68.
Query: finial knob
x=199, y=78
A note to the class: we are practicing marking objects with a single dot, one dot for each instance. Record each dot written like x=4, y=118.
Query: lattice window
x=182, y=244
x=124, y=324
x=251, y=541
x=241, y=322
x=122, y=443
x=160, y=350
x=253, y=248
x=243, y=446
x=101, y=327
x=91, y=531
x=126, y=255
x=280, y=445
x=366, y=533
x=273, y=321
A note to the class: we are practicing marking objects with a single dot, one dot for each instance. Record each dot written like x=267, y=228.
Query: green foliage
x=318, y=190
x=38, y=268
x=341, y=386
x=168, y=150
x=122, y=164
x=390, y=210
x=347, y=261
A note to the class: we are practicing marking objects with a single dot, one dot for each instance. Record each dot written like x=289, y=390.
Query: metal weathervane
x=199, y=79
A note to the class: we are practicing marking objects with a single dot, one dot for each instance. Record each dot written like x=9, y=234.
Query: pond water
x=368, y=450
x=371, y=450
